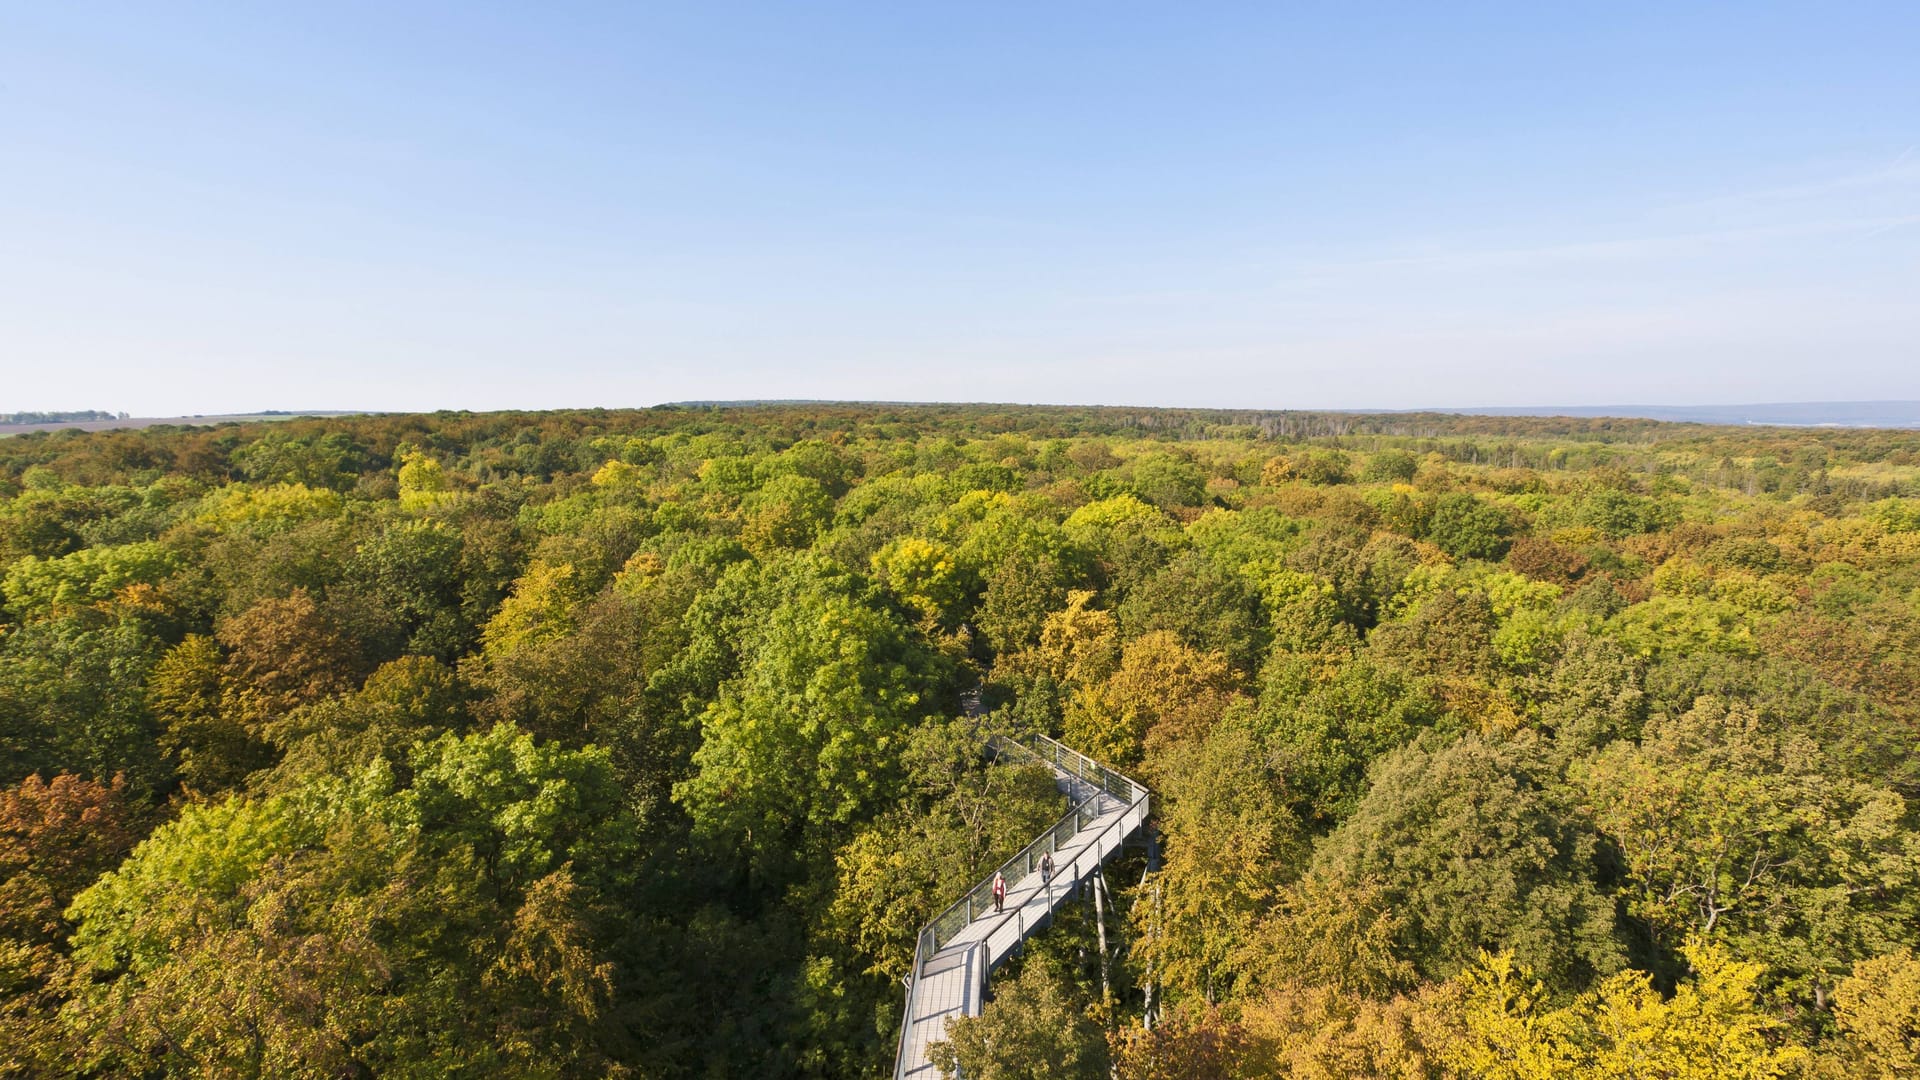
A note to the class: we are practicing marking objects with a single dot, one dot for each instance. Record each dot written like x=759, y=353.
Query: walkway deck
x=960, y=947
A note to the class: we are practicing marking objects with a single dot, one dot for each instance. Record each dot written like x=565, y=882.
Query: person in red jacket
x=999, y=891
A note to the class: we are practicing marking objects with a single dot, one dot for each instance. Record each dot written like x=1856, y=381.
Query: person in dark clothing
x=1046, y=868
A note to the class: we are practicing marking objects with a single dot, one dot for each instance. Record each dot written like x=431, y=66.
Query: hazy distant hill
x=1887, y=414
x=1855, y=414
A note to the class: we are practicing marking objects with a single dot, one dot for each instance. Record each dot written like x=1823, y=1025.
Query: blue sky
x=224, y=207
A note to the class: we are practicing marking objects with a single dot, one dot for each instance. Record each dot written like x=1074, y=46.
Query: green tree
x=1230, y=844
x=1365, y=571
x=1389, y=466
x=1032, y=1030
x=1474, y=852
x=1323, y=728
x=331, y=460
x=409, y=700
x=1617, y=513
x=806, y=739
x=1729, y=829
x=578, y=677
x=1593, y=694
x=1168, y=481
x=1019, y=594
x=37, y=587
x=1449, y=634
x=785, y=514
x=411, y=570
x=1129, y=538
x=451, y=928
x=197, y=710
x=71, y=699
x=1467, y=527
x=1321, y=467
x=1207, y=607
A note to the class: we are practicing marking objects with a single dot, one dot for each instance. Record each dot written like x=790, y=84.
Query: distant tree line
x=58, y=417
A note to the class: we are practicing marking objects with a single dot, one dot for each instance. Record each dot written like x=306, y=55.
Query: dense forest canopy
x=631, y=743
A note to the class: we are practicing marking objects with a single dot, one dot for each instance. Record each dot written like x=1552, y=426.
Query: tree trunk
x=1100, y=924
x=1153, y=932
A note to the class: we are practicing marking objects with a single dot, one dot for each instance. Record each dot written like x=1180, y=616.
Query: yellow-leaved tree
x=1162, y=694
x=925, y=576
x=1877, y=1009
x=423, y=480
x=1079, y=645
x=1711, y=1028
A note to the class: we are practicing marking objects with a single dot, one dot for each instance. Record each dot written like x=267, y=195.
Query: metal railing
x=1070, y=761
x=959, y=915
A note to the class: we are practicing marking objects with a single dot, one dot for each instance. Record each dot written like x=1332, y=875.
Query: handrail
x=906, y=1018
x=1072, y=873
x=1072, y=761
x=934, y=935
x=943, y=926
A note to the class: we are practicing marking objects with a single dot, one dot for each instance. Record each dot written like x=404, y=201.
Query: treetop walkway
x=959, y=948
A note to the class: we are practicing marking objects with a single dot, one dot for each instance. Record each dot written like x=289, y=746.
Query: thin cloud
x=1902, y=171
x=1345, y=273
x=1640, y=247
